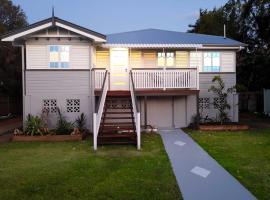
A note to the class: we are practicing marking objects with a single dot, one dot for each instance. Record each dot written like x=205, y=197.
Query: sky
x=112, y=16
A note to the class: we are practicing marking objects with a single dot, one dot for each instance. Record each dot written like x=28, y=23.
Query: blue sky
x=112, y=16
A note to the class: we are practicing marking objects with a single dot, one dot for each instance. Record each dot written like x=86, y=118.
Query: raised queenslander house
x=123, y=81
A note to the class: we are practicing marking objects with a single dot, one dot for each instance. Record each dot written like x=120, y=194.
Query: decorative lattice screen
x=204, y=103
x=73, y=105
x=49, y=105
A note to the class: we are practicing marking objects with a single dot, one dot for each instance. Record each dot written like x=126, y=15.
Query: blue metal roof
x=157, y=36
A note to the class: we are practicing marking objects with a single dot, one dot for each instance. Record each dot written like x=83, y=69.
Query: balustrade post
x=164, y=78
x=95, y=131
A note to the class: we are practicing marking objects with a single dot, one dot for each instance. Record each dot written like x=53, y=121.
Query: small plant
x=222, y=93
x=80, y=122
x=63, y=127
x=34, y=125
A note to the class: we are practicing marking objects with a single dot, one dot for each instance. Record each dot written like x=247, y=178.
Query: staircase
x=117, y=123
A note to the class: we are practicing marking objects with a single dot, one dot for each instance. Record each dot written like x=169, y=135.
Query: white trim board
x=27, y=32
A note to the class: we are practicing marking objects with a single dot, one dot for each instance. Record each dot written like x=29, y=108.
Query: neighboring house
x=68, y=66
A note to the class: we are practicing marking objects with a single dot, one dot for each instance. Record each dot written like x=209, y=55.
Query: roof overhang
x=17, y=34
x=187, y=46
x=174, y=46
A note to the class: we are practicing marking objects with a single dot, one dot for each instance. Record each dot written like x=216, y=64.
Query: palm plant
x=80, y=122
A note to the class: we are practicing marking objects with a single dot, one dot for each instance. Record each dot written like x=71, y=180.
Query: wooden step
x=121, y=108
x=117, y=123
x=117, y=135
x=117, y=128
x=108, y=112
x=118, y=118
x=118, y=93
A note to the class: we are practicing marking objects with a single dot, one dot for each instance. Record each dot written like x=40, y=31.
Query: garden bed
x=223, y=127
x=47, y=138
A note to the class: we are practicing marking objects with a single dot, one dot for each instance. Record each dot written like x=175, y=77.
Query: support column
x=145, y=112
x=173, y=107
x=23, y=84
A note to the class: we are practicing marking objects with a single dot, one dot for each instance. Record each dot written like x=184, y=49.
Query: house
x=122, y=81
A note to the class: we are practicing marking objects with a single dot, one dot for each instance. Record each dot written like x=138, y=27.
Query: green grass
x=246, y=155
x=72, y=170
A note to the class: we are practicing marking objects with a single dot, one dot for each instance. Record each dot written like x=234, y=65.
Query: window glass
x=169, y=59
x=59, y=56
x=165, y=59
x=161, y=59
x=211, y=62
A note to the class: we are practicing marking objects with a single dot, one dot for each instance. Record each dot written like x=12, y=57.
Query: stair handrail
x=136, y=113
x=97, y=115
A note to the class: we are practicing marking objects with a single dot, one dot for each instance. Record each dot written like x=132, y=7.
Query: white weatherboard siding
x=228, y=61
x=230, y=81
x=195, y=60
x=37, y=53
x=47, y=82
x=59, y=85
x=79, y=57
x=37, y=57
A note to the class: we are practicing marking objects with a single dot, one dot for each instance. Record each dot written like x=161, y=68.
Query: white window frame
x=59, y=62
x=165, y=58
x=211, y=66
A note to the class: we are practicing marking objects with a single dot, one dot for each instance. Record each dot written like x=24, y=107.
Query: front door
x=119, y=69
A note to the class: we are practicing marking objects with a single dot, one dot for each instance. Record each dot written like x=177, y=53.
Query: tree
x=221, y=93
x=11, y=17
x=249, y=22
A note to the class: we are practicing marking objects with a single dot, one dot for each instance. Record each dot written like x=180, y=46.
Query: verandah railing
x=162, y=78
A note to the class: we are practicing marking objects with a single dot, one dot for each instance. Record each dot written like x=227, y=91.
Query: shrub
x=80, y=122
x=34, y=125
x=63, y=127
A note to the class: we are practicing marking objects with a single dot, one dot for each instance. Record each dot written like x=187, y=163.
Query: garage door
x=160, y=112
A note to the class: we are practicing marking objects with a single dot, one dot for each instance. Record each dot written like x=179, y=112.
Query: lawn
x=246, y=155
x=72, y=170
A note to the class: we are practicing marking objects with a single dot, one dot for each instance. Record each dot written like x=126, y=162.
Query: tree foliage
x=11, y=17
x=249, y=22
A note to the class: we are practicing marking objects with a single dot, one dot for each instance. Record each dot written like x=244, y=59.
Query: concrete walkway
x=199, y=175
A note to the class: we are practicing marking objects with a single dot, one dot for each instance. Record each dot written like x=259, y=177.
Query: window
x=73, y=105
x=211, y=62
x=59, y=56
x=204, y=103
x=49, y=106
x=166, y=59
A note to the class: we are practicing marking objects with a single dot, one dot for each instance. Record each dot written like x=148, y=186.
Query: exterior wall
x=182, y=59
x=168, y=112
x=37, y=53
x=59, y=85
x=205, y=83
x=102, y=58
x=42, y=83
x=227, y=60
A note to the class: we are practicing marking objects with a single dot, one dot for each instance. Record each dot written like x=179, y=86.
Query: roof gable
x=53, y=21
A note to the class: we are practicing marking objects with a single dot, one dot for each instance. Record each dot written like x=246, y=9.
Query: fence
x=10, y=105
x=266, y=97
x=251, y=101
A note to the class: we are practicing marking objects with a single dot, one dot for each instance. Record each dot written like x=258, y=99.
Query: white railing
x=98, y=114
x=136, y=113
x=165, y=78
x=99, y=75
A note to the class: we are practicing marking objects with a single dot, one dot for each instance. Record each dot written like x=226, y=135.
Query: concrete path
x=199, y=175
